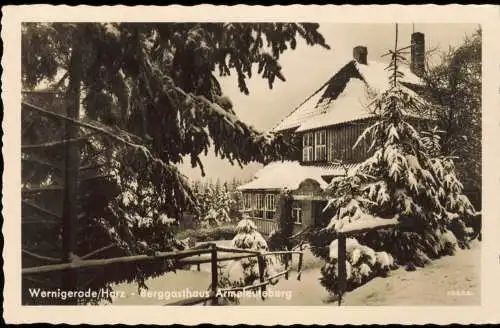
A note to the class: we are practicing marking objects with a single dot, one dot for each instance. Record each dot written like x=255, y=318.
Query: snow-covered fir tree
x=405, y=180
x=214, y=203
x=455, y=84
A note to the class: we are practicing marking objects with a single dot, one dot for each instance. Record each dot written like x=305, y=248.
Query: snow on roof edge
x=373, y=80
x=277, y=128
x=290, y=174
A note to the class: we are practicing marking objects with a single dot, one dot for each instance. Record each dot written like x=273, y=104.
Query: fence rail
x=187, y=257
x=84, y=264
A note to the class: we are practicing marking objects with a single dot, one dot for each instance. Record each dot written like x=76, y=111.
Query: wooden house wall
x=341, y=139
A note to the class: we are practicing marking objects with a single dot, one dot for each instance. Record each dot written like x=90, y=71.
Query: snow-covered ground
x=451, y=280
x=171, y=287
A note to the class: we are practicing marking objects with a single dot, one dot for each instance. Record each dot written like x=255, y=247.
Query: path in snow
x=450, y=280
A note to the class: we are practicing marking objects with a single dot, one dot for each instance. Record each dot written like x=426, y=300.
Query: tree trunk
x=72, y=162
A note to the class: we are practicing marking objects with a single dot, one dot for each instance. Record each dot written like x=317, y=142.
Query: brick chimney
x=417, y=64
x=360, y=54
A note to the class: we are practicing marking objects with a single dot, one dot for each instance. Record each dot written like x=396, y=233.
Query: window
x=247, y=201
x=270, y=206
x=259, y=205
x=253, y=204
x=307, y=147
x=320, y=145
x=297, y=215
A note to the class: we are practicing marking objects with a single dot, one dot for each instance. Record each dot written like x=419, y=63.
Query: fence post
x=214, y=274
x=299, y=268
x=342, y=274
x=262, y=265
x=286, y=265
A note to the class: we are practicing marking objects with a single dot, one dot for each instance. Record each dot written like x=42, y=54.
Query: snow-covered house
x=328, y=123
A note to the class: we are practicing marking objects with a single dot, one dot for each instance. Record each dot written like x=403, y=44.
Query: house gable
x=335, y=101
x=330, y=121
x=309, y=187
x=317, y=103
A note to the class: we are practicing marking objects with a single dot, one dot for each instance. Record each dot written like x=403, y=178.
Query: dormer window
x=320, y=145
x=308, y=147
x=314, y=146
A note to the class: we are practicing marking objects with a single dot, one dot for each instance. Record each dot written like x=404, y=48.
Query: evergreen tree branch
x=39, y=160
x=44, y=222
x=97, y=251
x=41, y=209
x=37, y=189
x=56, y=143
x=41, y=257
x=115, y=134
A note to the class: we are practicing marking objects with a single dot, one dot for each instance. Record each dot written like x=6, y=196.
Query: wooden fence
x=205, y=253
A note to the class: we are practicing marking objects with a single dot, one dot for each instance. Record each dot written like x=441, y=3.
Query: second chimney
x=417, y=64
x=360, y=54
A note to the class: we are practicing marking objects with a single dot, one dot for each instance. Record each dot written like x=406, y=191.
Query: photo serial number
x=460, y=293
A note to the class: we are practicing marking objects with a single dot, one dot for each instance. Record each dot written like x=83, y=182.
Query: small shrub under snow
x=362, y=264
x=385, y=260
x=248, y=237
x=448, y=242
x=245, y=272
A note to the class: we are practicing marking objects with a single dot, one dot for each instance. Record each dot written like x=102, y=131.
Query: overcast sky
x=307, y=68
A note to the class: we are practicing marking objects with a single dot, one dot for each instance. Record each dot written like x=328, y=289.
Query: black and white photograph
x=247, y=163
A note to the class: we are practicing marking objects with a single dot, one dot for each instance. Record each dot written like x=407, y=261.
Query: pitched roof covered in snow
x=290, y=174
x=346, y=97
